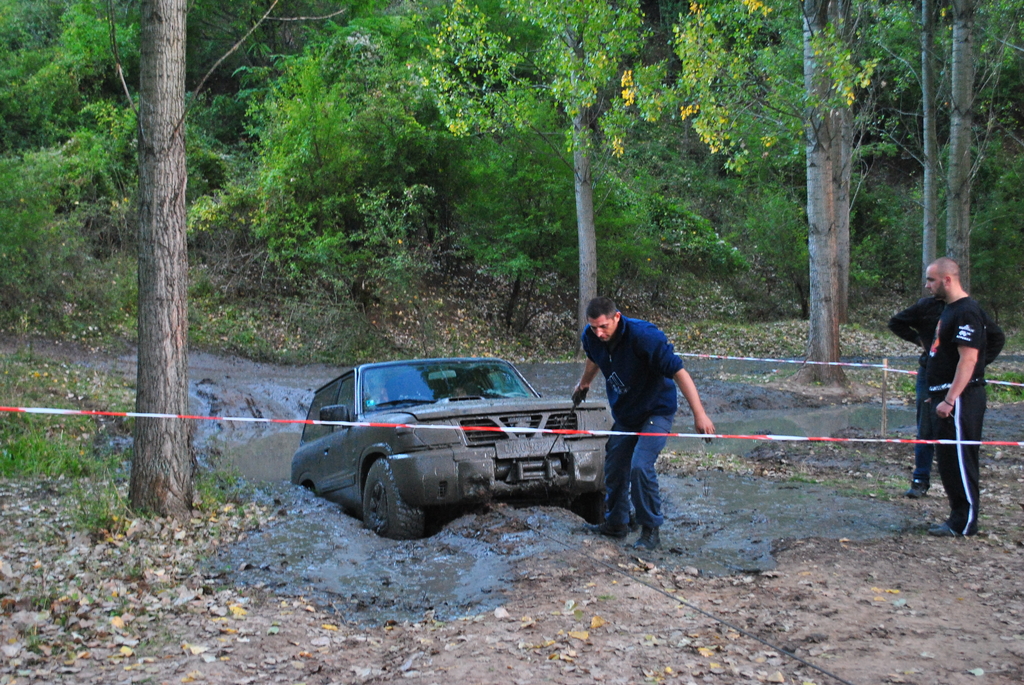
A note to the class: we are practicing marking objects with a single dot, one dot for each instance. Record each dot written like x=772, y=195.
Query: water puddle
x=722, y=523
x=804, y=421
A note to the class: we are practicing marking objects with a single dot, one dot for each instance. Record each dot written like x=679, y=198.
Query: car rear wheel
x=384, y=510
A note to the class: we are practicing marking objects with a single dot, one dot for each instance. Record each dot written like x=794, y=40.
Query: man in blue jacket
x=641, y=372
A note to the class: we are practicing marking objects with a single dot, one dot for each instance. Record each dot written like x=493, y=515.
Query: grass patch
x=54, y=445
x=1005, y=393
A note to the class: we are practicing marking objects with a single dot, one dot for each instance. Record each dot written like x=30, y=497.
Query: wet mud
x=716, y=524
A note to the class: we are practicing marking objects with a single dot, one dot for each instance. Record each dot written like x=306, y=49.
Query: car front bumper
x=449, y=476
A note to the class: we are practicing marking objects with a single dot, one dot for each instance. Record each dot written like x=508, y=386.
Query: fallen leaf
x=580, y=635
x=776, y=677
x=126, y=651
x=328, y=626
x=704, y=651
x=501, y=612
x=977, y=671
x=597, y=622
x=117, y=622
x=237, y=611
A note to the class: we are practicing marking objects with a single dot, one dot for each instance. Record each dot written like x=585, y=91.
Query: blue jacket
x=638, y=371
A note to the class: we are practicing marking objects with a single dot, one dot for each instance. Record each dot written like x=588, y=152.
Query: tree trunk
x=931, y=144
x=586, y=233
x=162, y=465
x=842, y=169
x=823, y=345
x=958, y=179
x=842, y=172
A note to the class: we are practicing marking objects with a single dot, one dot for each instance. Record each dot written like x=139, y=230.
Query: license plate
x=517, y=448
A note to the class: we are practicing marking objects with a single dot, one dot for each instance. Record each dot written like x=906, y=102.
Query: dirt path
x=159, y=604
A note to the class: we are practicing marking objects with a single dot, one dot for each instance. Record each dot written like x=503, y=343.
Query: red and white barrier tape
x=890, y=369
x=497, y=429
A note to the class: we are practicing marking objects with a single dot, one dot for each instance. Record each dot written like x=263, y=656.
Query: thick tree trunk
x=823, y=345
x=931, y=143
x=842, y=167
x=162, y=466
x=586, y=233
x=958, y=179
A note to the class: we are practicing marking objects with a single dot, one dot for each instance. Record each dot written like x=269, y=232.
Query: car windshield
x=426, y=382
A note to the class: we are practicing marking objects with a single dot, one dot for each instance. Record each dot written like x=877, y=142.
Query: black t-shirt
x=962, y=323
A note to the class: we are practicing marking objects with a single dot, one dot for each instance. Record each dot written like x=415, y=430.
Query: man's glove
x=578, y=395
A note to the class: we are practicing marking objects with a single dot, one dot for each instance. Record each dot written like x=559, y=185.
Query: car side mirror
x=336, y=412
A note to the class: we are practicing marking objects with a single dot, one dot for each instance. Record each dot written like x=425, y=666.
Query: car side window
x=326, y=396
x=347, y=396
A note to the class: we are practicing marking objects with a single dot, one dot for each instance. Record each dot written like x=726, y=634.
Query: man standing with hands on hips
x=641, y=371
x=965, y=340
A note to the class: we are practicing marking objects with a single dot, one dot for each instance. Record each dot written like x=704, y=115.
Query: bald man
x=965, y=341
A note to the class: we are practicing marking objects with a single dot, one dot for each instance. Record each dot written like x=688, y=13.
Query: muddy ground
x=841, y=585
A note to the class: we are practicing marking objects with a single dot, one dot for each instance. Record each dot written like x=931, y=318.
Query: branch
x=230, y=52
x=238, y=44
x=320, y=18
x=117, y=56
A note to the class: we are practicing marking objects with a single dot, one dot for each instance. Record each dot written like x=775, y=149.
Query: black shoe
x=942, y=530
x=649, y=539
x=918, y=489
x=612, y=530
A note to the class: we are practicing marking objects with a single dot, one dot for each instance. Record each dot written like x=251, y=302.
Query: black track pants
x=958, y=464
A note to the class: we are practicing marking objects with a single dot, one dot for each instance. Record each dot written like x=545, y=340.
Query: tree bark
x=823, y=344
x=958, y=178
x=842, y=172
x=929, y=234
x=162, y=465
x=586, y=232
x=842, y=168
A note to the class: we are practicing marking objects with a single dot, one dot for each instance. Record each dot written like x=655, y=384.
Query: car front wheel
x=384, y=510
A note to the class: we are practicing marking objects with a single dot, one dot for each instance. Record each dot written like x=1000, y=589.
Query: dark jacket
x=638, y=365
x=916, y=324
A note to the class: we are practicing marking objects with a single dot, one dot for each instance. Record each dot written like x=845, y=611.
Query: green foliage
x=353, y=175
x=997, y=238
x=524, y=234
x=740, y=78
x=498, y=67
x=56, y=60
x=885, y=238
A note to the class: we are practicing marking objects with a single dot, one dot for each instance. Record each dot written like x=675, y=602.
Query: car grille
x=556, y=421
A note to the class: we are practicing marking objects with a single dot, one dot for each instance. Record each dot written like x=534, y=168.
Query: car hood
x=446, y=409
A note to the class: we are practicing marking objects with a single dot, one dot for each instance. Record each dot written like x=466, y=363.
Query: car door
x=339, y=458
x=308, y=465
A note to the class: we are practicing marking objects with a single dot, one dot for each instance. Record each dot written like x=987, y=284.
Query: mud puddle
x=717, y=523
x=316, y=551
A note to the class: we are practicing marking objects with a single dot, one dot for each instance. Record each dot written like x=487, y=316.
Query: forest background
x=340, y=208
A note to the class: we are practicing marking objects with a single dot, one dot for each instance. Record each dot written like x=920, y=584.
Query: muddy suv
x=437, y=433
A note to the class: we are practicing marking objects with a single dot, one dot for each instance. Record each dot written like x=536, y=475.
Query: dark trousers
x=923, y=454
x=958, y=464
x=629, y=472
